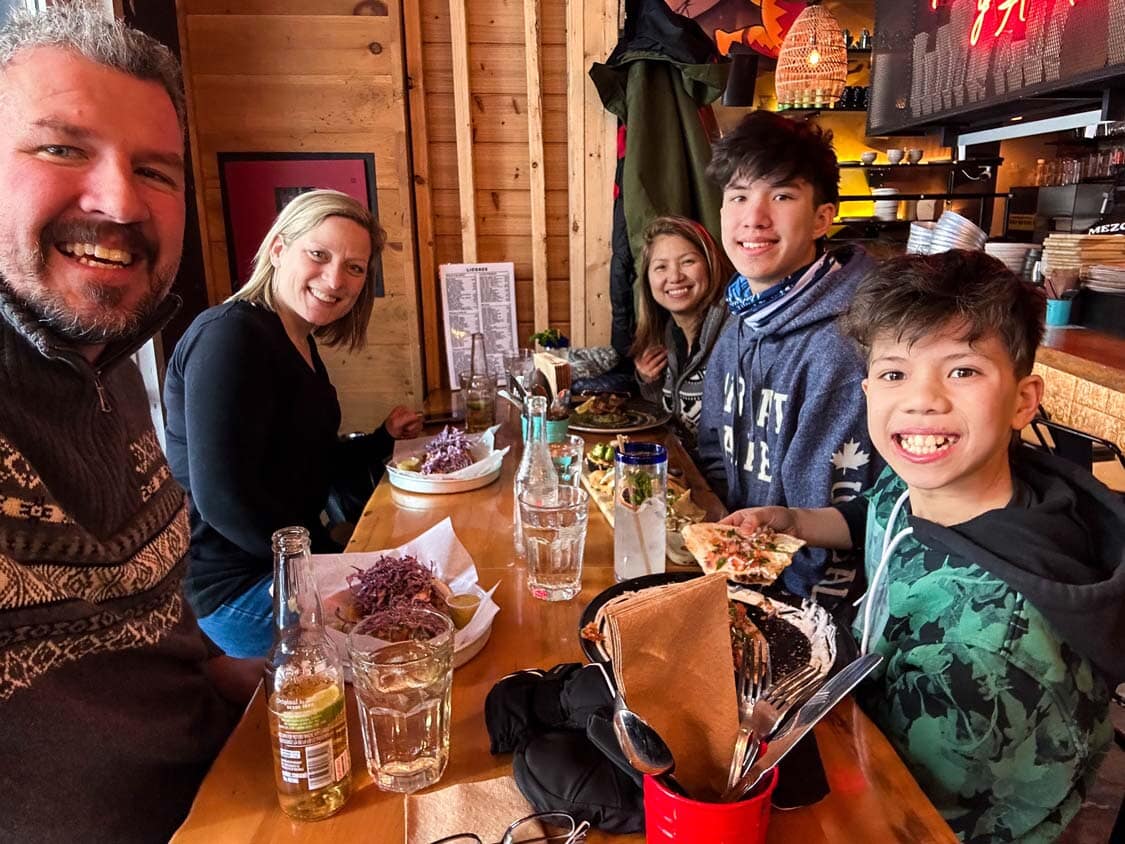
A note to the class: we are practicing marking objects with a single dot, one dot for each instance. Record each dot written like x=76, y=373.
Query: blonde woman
x=253, y=420
x=680, y=313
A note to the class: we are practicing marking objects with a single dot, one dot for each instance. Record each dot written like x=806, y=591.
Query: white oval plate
x=414, y=482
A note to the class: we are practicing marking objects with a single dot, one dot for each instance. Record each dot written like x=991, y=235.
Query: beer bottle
x=305, y=681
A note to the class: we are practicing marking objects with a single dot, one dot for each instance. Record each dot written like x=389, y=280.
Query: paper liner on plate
x=485, y=454
x=451, y=563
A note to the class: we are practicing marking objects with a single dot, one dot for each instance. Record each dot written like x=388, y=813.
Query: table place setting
x=449, y=462
x=453, y=570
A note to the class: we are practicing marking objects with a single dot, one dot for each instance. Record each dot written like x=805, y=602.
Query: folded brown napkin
x=486, y=808
x=672, y=658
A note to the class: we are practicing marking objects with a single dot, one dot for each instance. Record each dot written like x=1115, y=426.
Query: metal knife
x=819, y=705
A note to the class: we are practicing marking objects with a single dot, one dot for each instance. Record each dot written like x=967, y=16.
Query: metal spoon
x=641, y=744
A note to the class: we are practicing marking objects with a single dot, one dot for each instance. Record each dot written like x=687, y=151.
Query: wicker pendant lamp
x=813, y=63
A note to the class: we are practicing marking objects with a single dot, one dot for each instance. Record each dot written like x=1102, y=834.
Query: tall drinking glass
x=402, y=663
x=520, y=366
x=479, y=394
x=640, y=484
x=554, y=534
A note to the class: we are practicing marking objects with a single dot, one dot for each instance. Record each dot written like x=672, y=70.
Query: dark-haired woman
x=679, y=316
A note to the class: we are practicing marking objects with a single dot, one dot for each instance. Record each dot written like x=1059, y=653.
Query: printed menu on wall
x=478, y=297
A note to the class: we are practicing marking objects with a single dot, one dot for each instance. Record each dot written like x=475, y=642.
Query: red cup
x=671, y=817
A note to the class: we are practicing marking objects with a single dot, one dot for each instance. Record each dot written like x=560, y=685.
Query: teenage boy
x=996, y=573
x=782, y=419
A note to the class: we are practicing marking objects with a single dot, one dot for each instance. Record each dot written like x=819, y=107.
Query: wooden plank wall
x=302, y=75
x=293, y=75
x=502, y=173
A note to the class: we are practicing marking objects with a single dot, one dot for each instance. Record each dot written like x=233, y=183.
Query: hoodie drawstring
x=889, y=546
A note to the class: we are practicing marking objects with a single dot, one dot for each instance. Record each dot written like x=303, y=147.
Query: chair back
x=1074, y=445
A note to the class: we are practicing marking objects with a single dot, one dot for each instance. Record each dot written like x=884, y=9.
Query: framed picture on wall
x=255, y=186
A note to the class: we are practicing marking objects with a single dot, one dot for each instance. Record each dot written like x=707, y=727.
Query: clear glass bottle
x=305, y=680
x=1040, y=172
x=536, y=474
x=639, y=530
x=478, y=357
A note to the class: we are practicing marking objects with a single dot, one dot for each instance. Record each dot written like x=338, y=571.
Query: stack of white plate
x=1012, y=255
x=1104, y=278
x=956, y=232
x=921, y=233
x=885, y=209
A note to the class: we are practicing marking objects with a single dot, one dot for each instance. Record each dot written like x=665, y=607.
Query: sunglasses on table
x=529, y=830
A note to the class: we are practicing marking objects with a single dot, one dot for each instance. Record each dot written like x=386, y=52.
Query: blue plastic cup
x=1058, y=312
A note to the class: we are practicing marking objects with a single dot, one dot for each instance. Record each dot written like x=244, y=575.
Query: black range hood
x=963, y=66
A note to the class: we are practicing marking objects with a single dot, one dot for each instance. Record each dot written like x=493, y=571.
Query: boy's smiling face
x=941, y=411
x=770, y=228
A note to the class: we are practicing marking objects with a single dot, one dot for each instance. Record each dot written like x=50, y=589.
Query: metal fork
x=767, y=713
x=753, y=678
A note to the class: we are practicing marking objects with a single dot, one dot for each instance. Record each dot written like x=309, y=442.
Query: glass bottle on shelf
x=1040, y=172
x=305, y=681
x=536, y=476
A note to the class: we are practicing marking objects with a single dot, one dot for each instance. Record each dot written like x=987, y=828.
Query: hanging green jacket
x=661, y=74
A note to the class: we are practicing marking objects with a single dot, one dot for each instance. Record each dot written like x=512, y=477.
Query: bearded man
x=112, y=703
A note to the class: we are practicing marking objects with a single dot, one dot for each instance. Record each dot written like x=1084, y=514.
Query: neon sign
x=1003, y=12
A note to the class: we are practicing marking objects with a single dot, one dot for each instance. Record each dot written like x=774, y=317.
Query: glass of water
x=479, y=395
x=567, y=454
x=402, y=664
x=554, y=536
x=640, y=484
x=520, y=366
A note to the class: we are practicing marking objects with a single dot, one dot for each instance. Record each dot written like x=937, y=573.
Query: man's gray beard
x=106, y=325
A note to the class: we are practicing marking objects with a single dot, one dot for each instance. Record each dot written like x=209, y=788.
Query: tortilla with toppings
x=756, y=558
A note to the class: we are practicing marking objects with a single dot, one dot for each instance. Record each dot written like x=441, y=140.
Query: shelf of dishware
x=864, y=197
x=904, y=165
x=812, y=112
x=868, y=221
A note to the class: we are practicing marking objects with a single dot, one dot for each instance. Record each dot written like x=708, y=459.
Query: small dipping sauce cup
x=462, y=608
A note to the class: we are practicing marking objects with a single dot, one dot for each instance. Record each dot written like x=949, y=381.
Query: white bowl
x=868, y=157
x=895, y=155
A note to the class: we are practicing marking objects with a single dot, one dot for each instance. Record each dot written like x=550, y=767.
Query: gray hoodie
x=784, y=420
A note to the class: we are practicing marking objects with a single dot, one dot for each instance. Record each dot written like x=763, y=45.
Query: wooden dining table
x=873, y=796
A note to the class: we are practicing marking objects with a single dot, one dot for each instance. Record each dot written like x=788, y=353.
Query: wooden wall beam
x=600, y=32
x=576, y=165
x=461, y=92
x=423, y=203
x=537, y=183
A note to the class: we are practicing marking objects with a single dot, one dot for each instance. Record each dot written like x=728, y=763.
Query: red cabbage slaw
x=393, y=581
x=449, y=451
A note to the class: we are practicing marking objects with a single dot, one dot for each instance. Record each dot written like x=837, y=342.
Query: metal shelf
x=812, y=112
x=904, y=165
x=871, y=221
x=909, y=196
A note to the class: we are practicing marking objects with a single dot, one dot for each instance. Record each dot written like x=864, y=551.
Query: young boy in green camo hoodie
x=996, y=574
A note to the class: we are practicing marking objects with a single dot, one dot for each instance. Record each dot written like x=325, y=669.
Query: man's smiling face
x=91, y=193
